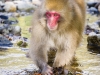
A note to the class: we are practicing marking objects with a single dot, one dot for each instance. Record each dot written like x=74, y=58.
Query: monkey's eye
x=52, y=14
x=55, y=14
x=48, y=14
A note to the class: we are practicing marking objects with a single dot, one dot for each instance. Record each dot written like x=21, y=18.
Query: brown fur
x=65, y=39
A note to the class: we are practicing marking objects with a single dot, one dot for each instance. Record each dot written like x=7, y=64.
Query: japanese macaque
x=56, y=24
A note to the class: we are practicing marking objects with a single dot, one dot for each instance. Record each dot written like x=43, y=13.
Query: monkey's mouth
x=52, y=28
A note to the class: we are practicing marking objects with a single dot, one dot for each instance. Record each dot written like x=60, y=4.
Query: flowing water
x=88, y=62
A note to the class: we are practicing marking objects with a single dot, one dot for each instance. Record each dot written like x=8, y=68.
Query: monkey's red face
x=52, y=20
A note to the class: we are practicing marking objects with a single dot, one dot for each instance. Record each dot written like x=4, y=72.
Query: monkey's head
x=58, y=14
x=52, y=19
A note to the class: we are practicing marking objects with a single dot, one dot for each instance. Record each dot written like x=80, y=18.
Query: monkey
x=56, y=24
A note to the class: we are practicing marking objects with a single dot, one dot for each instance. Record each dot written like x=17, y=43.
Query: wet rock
x=22, y=44
x=2, y=49
x=93, y=44
x=5, y=42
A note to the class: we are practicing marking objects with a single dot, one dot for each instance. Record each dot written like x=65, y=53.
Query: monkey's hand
x=47, y=70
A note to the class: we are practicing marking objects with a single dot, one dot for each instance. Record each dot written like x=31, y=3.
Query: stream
x=14, y=60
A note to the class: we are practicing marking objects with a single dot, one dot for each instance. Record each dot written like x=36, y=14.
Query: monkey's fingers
x=49, y=73
x=47, y=70
x=50, y=70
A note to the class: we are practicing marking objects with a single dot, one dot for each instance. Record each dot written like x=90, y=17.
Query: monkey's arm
x=66, y=54
x=38, y=53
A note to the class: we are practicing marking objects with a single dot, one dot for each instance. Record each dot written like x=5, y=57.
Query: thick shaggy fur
x=67, y=36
